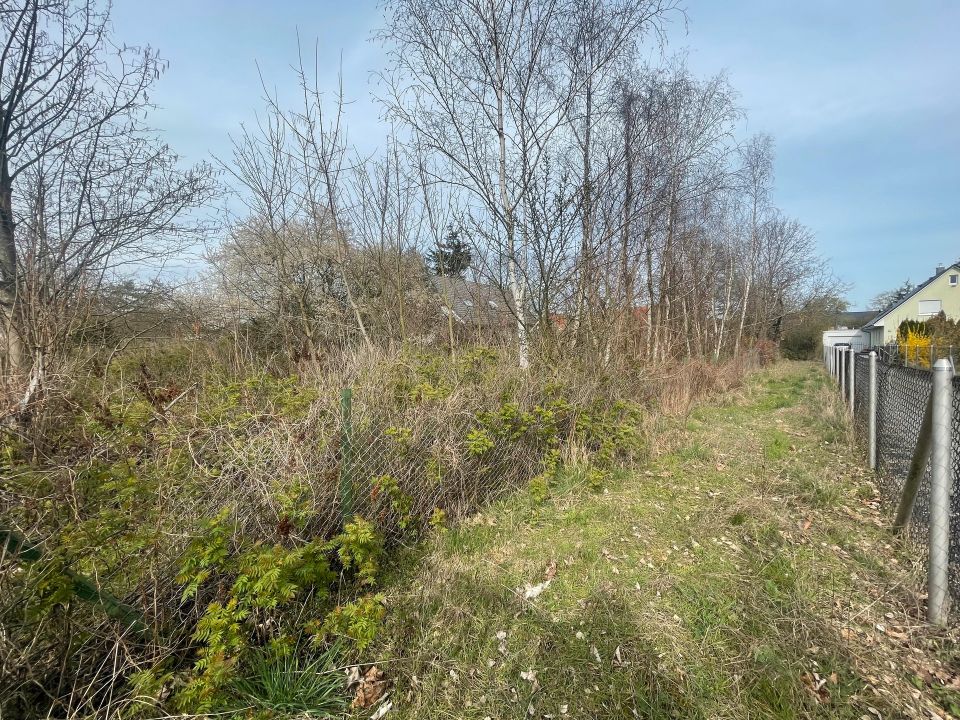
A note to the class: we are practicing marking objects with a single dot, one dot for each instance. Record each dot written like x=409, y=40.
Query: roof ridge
x=886, y=311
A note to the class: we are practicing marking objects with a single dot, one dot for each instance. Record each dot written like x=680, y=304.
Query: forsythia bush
x=915, y=347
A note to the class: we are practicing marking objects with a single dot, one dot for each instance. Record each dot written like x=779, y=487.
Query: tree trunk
x=743, y=313
x=17, y=360
x=626, y=275
x=584, y=303
x=726, y=310
x=516, y=290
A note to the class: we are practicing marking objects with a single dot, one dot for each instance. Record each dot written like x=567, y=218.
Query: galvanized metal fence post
x=346, y=453
x=843, y=372
x=940, y=475
x=872, y=412
x=853, y=379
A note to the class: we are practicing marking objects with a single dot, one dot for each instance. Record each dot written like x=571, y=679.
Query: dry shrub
x=125, y=466
x=683, y=385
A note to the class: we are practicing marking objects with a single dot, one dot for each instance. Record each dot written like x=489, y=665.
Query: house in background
x=477, y=309
x=940, y=293
x=854, y=318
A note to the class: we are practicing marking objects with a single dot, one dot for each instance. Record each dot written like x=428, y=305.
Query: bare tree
x=757, y=178
x=85, y=189
x=293, y=176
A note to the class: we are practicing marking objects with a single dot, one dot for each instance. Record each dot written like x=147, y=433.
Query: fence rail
x=906, y=419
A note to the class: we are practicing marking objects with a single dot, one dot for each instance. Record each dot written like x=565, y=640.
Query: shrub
x=208, y=499
x=915, y=345
x=801, y=343
x=358, y=621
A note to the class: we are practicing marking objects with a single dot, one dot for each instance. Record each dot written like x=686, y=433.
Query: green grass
x=292, y=683
x=739, y=576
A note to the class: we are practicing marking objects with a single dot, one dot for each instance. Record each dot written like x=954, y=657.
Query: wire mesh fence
x=920, y=355
x=861, y=395
x=411, y=467
x=902, y=395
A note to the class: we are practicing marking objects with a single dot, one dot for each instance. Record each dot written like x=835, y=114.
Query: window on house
x=953, y=279
x=929, y=308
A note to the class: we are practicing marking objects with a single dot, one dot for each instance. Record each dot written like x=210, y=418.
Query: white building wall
x=857, y=339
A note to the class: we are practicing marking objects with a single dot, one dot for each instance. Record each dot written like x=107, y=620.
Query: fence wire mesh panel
x=400, y=471
x=405, y=465
x=902, y=397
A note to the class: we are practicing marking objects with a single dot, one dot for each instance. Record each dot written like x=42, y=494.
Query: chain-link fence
x=273, y=475
x=861, y=383
x=899, y=398
x=404, y=469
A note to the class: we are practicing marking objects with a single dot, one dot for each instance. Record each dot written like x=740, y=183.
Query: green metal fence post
x=346, y=454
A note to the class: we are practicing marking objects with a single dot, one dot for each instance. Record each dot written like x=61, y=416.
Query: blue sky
x=860, y=95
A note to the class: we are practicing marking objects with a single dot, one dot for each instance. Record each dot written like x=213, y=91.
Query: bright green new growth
x=210, y=501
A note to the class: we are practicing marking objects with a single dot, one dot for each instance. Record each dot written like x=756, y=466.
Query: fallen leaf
x=353, y=676
x=551, y=570
x=531, y=677
x=382, y=710
x=816, y=685
x=371, y=687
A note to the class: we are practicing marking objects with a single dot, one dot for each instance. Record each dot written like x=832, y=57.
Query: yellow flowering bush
x=915, y=347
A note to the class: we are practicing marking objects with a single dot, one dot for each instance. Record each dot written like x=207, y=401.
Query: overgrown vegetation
x=558, y=246
x=209, y=501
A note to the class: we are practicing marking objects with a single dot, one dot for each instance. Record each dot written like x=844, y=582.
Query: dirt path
x=746, y=573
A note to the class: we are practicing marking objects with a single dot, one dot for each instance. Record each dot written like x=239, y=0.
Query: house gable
x=941, y=293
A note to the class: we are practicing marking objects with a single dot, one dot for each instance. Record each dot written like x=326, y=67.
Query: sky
x=861, y=97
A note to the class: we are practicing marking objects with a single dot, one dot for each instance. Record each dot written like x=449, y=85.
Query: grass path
x=744, y=573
